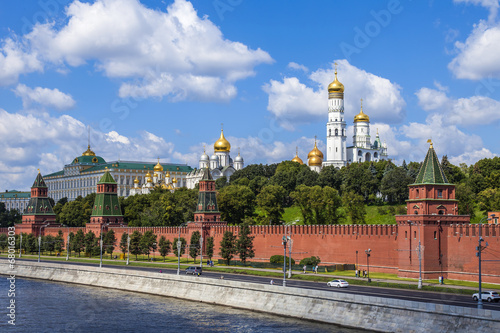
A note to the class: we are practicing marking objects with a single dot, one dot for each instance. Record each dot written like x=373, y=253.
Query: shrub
x=310, y=261
x=278, y=259
x=401, y=210
x=382, y=210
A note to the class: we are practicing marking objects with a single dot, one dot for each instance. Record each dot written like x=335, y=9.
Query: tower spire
x=430, y=141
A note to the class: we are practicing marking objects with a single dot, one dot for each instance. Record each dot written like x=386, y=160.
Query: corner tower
x=207, y=209
x=336, y=154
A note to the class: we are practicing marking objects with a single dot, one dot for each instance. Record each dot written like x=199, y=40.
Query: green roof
x=431, y=171
x=206, y=174
x=39, y=206
x=55, y=174
x=106, y=178
x=86, y=159
x=15, y=194
x=39, y=182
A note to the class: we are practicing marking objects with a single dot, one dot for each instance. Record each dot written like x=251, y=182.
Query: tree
x=124, y=243
x=489, y=199
x=182, y=248
x=76, y=213
x=244, y=244
x=135, y=243
x=90, y=242
x=109, y=240
x=165, y=247
x=69, y=246
x=394, y=185
x=465, y=197
x=329, y=176
x=147, y=242
x=3, y=241
x=194, y=247
x=355, y=207
x=272, y=202
x=228, y=246
x=59, y=242
x=29, y=243
x=221, y=182
x=235, y=203
x=210, y=247
x=78, y=244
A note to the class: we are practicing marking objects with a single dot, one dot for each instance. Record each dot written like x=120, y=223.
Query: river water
x=44, y=306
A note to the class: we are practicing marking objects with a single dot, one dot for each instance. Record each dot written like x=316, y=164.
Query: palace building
x=80, y=177
x=15, y=199
x=338, y=153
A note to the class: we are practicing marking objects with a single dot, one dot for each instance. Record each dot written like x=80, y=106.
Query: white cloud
x=491, y=5
x=292, y=102
x=16, y=60
x=472, y=157
x=294, y=65
x=173, y=53
x=475, y=110
x=52, y=98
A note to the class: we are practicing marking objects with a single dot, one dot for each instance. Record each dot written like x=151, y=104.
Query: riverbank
x=374, y=313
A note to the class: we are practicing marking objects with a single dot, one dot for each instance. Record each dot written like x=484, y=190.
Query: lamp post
x=479, y=250
x=179, y=244
x=20, y=244
x=368, y=263
x=285, y=240
x=128, y=247
x=419, y=256
x=201, y=251
x=102, y=226
x=290, y=243
x=40, y=239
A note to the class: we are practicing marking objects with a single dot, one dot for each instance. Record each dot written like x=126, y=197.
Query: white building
x=80, y=177
x=338, y=153
x=15, y=200
x=220, y=163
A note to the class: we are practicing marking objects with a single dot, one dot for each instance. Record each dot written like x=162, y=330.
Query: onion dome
x=149, y=180
x=88, y=152
x=204, y=156
x=213, y=157
x=315, y=152
x=315, y=161
x=222, y=144
x=167, y=175
x=174, y=180
x=238, y=158
x=297, y=158
x=148, y=175
x=158, y=167
x=136, y=181
x=336, y=86
x=361, y=117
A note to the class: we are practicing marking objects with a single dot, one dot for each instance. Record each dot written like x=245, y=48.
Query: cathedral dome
x=174, y=180
x=297, y=158
x=204, y=157
x=213, y=157
x=238, y=158
x=336, y=86
x=315, y=161
x=148, y=175
x=222, y=144
x=158, y=167
x=88, y=152
x=315, y=152
x=136, y=181
x=361, y=117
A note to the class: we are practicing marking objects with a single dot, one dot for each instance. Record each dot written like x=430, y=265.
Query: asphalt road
x=410, y=295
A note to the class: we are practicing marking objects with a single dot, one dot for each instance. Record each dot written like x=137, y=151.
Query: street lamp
x=128, y=247
x=201, y=251
x=102, y=226
x=419, y=256
x=40, y=239
x=290, y=243
x=368, y=263
x=67, y=243
x=478, y=254
x=179, y=244
x=285, y=240
x=20, y=244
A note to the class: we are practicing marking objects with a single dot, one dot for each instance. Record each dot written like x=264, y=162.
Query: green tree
x=394, y=185
x=78, y=243
x=69, y=246
x=244, y=244
x=3, y=241
x=124, y=243
x=330, y=176
x=165, y=247
x=235, y=203
x=76, y=213
x=210, y=247
x=147, y=242
x=135, y=243
x=489, y=199
x=109, y=241
x=49, y=243
x=355, y=207
x=466, y=202
x=271, y=200
x=182, y=248
x=228, y=246
x=221, y=182
x=59, y=242
x=194, y=247
x=90, y=242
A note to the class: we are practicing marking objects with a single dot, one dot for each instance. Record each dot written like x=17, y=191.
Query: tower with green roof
x=39, y=210
x=207, y=209
x=106, y=208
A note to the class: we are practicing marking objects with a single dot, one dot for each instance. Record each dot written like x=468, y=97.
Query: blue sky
x=157, y=78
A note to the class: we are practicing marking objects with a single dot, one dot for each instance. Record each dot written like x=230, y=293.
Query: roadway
x=409, y=295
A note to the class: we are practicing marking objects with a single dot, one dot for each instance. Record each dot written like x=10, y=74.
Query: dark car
x=195, y=270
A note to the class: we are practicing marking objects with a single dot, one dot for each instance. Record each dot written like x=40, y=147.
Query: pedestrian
x=272, y=282
x=316, y=269
x=304, y=269
x=356, y=273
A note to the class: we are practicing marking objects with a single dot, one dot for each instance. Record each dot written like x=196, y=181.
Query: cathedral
x=338, y=153
x=220, y=163
x=159, y=179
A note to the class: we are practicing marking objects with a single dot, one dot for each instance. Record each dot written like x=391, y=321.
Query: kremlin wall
x=448, y=240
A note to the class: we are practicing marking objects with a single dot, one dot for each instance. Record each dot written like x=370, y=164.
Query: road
x=409, y=295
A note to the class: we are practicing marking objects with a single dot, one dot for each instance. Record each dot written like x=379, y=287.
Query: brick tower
x=39, y=211
x=207, y=210
x=106, y=208
x=431, y=208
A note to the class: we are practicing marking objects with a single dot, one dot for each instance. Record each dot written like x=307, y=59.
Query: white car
x=490, y=296
x=338, y=284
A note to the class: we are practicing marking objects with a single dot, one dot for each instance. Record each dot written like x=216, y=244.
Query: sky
x=159, y=78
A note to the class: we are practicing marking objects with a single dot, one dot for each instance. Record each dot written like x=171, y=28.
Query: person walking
x=356, y=273
x=304, y=269
x=272, y=282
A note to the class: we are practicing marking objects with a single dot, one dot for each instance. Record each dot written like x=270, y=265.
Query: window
x=414, y=235
x=441, y=212
x=435, y=234
x=418, y=193
x=406, y=234
x=336, y=132
x=440, y=193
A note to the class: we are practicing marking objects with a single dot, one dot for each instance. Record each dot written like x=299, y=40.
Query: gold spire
x=361, y=117
x=38, y=170
x=88, y=152
x=336, y=86
x=315, y=152
x=222, y=144
x=430, y=141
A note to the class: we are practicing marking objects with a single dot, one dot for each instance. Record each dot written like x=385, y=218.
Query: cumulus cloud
x=293, y=102
x=475, y=110
x=52, y=98
x=491, y=5
x=173, y=53
x=16, y=60
x=472, y=157
x=294, y=65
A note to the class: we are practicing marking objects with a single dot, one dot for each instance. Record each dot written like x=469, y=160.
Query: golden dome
x=297, y=158
x=148, y=175
x=315, y=161
x=336, y=86
x=167, y=175
x=136, y=181
x=158, y=166
x=315, y=152
x=163, y=186
x=174, y=180
x=222, y=144
x=150, y=180
x=361, y=117
x=88, y=152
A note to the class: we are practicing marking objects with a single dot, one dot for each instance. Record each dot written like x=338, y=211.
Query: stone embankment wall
x=372, y=313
